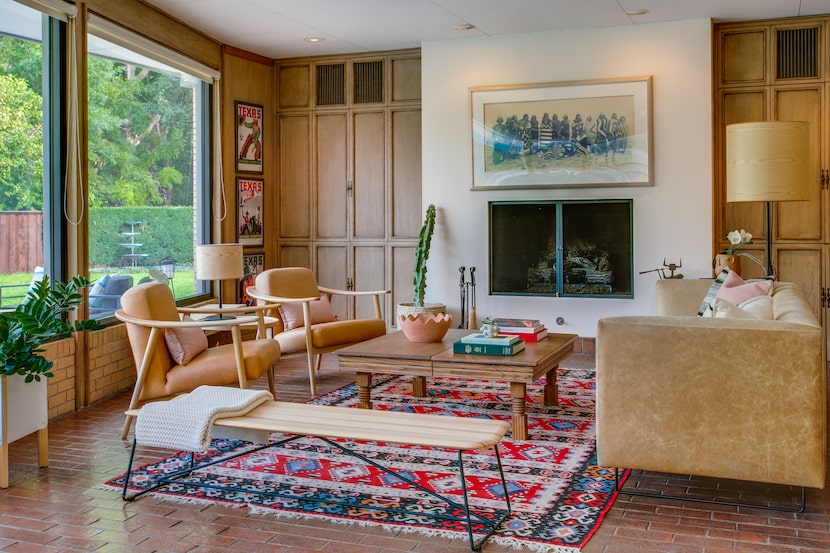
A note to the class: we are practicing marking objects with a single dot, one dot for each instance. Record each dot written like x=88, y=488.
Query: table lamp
x=219, y=262
x=768, y=161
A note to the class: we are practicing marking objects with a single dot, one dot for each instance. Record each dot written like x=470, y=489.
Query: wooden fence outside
x=22, y=232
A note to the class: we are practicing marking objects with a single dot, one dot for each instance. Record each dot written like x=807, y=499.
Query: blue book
x=485, y=349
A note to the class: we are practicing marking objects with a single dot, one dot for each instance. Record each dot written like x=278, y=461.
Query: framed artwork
x=249, y=215
x=562, y=135
x=248, y=137
x=252, y=265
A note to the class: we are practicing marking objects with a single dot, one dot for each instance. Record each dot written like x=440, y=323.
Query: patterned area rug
x=558, y=494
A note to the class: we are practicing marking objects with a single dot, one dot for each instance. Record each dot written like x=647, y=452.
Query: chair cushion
x=185, y=343
x=320, y=311
x=346, y=332
x=211, y=367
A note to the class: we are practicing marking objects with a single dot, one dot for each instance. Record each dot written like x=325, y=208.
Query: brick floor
x=59, y=508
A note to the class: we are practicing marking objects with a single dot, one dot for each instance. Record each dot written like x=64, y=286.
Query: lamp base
x=219, y=317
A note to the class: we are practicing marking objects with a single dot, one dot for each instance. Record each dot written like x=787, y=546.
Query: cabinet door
x=802, y=220
x=369, y=264
x=803, y=265
x=743, y=55
x=406, y=173
x=369, y=178
x=294, y=176
x=331, y=169
x=332, y=271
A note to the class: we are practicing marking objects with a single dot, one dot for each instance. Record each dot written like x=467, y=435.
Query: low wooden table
x=394, y=354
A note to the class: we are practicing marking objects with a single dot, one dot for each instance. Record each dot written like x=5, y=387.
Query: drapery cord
x=220, y=208
x=73, y=139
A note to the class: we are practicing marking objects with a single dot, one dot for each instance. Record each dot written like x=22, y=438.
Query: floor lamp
x=219, y=262
x=768, y=162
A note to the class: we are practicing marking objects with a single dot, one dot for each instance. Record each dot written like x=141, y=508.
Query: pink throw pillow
x=185, y=343
x=320, y=310
x=736, y=290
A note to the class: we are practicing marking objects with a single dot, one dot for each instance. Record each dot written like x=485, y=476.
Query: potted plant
x=421, y=321
x=39, y=319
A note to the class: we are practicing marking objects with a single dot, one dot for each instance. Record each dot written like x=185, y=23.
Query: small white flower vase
x=490, y=330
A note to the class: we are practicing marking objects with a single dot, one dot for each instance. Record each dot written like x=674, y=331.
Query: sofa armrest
x=728, y=398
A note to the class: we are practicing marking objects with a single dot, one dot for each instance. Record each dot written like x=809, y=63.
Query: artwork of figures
x=252, y=265
x=577, y=134
x=249, y=216
x=248, y=138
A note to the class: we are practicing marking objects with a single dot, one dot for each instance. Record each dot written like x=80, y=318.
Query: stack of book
x=479, y=344
x=529, y=330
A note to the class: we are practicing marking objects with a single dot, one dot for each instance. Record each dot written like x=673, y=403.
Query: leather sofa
x=718, y=397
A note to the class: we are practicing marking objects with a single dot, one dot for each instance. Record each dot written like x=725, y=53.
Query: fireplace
x=590, y=240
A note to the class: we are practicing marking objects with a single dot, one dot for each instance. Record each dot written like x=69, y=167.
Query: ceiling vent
x=331, y=87
x=797, y=55
x=368, y=82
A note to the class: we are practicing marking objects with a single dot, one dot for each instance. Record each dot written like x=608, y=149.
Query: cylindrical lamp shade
x=767, y=161
x=219, y=261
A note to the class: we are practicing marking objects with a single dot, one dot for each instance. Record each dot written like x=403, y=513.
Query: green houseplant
x=39, y=319
x=419, y=320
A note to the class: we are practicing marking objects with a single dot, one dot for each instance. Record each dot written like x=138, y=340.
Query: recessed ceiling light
x=314, y=39
x=465, y=27
x=632, y=13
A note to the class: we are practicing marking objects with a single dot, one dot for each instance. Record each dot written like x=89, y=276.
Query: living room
x=673, y=217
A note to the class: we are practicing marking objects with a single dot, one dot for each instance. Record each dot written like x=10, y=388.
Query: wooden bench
x=327, y=422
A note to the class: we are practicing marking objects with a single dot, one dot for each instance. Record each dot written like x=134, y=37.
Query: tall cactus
x=421, y=256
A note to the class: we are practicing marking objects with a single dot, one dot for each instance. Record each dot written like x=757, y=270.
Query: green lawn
x=183, y=284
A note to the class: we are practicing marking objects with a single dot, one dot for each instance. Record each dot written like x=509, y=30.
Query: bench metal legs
x=483, y=525
x=799, y=509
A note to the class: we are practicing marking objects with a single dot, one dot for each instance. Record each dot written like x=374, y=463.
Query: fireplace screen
x=589, y=240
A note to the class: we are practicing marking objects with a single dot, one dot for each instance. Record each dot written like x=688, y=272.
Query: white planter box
x=24, y=409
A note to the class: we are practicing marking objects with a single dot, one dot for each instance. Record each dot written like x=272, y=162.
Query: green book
x=489, y=349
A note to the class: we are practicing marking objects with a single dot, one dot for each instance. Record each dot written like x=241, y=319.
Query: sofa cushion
x=759, y=307
x=705, y=309
x=736, y=290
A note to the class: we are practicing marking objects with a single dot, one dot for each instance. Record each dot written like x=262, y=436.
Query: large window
x=147, y=144
x=21, y=150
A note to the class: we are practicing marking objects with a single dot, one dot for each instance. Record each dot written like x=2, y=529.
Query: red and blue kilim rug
x=558, y=494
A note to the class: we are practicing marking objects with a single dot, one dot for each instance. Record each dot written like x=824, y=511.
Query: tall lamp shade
x=768, y=161
x=219, y=262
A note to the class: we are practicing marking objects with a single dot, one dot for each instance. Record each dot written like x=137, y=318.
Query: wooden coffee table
x=394, y=354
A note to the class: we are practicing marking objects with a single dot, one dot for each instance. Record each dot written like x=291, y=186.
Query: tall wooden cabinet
x=766, y=71
x=349, y=171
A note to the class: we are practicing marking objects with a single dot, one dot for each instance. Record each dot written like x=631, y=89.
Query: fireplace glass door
x=561, y=248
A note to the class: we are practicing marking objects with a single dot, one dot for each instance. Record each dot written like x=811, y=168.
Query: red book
x=527, y=336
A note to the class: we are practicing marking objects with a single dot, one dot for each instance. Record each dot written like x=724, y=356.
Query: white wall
x=672, y=219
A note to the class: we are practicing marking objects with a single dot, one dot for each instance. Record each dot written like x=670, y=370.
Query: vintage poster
x=248, y=138
x=252, y=265
x=249, y=217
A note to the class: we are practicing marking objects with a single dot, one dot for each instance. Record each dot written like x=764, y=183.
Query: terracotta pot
x=426, y=327
x=726, y=260
x=409, y=308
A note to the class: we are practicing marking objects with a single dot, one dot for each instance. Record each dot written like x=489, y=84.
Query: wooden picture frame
x=249, y=138
x=249, y=222
x=571, y=134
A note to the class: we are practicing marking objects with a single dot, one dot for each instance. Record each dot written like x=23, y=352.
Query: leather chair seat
x=331, y=334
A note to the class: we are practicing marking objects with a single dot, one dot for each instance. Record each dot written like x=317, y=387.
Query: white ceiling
x=278, y=28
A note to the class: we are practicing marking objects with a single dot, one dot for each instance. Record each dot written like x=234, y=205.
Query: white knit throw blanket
x=186, y=423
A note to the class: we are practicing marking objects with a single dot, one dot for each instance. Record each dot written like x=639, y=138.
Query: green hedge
x=164, y=231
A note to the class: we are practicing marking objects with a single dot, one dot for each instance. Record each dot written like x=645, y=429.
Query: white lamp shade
x=219, y=261
x=767, y=161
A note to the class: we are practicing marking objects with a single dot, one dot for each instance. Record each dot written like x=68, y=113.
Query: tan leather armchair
x=297, y=287
x=149, y=310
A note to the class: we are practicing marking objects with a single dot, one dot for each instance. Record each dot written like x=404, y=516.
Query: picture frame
x=249, y=222
x=253, y=264
x=592, y=133
x=249, y=138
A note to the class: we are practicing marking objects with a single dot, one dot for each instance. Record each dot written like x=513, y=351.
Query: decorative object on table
x=418, y=320
x=467, y=290
x=561, y=511
x=529, y=330
x=38, y=319
x=219, y=262
x=489, y=328
x=728, y=257
x=661, y=271
x=488, y=349
x=496, y=339
x=768, y=161
x=517, y=144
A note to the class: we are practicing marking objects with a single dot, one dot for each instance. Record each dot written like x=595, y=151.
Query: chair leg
x=311, y=373
x=271, y=382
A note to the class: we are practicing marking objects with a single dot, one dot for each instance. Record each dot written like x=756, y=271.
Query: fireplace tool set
x=467, y=289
